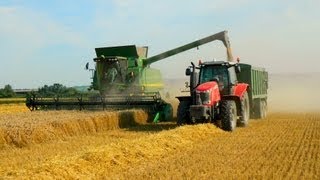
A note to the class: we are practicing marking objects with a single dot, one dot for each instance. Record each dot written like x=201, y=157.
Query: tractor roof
x=218, y=63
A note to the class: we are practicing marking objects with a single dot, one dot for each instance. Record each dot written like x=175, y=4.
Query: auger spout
x=222, y=36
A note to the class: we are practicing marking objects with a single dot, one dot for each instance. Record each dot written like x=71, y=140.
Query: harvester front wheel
x=245, y=111
x=183, y=113
x=228, y=112
x=167, y=112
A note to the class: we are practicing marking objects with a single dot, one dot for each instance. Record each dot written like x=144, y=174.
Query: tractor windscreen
x=215, y=73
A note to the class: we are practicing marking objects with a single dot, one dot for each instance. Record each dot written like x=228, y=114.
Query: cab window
x=210, y=73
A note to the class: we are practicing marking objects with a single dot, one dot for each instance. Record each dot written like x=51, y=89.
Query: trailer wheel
x=183, y=113
x=228, y=112
x=245, y=111
x=263, y=107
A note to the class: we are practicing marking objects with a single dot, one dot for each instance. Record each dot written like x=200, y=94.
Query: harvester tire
x=167, y=113
x=183, y=113
x=228, y=112
x=244, y=111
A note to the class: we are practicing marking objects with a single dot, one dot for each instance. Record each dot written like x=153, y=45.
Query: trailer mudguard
x=240, y=89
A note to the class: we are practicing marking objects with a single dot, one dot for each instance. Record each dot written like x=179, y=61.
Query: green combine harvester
x=125, y=80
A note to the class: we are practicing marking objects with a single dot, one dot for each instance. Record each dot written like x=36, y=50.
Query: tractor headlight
x=203, y=97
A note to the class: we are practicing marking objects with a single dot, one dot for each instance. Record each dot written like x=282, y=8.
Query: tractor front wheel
x=183, y=113
x=228, y=112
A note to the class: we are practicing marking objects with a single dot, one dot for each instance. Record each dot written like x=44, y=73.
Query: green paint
x=257, y=78
x=156, y=118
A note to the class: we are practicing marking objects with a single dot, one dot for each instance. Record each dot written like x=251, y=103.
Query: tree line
x=7, y=92
x=45, y=91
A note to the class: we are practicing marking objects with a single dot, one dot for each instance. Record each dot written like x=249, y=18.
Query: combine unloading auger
x=125, y=80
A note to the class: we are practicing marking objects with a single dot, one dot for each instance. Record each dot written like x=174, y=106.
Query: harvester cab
x=118, y=68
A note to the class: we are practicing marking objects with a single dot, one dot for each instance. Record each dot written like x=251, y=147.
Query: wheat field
x=121, y=145
x=13, y=108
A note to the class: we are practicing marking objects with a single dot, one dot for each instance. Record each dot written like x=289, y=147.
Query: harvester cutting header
x=124, y=79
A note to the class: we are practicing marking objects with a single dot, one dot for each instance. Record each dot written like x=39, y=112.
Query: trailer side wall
x=257, y=78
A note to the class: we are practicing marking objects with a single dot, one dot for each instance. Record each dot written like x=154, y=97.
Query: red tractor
x=216, y=96
x=223, y=93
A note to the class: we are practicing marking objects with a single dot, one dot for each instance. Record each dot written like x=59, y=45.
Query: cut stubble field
x=285, y=145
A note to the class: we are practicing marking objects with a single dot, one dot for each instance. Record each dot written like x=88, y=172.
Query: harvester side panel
x=152, y=80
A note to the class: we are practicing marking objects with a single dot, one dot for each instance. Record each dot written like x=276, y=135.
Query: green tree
x=7, y=92
x=57, y=90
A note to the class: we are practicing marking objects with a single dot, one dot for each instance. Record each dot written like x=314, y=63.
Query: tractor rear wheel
x=245, y=111
x=183, y=113
x=228, y=112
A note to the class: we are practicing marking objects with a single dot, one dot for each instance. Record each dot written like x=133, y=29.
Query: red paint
x=215, y=94
x=206, y=86
x=240, y=89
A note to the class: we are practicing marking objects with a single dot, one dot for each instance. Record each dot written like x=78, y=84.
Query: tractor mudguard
x=240, y=89
x=184, y=98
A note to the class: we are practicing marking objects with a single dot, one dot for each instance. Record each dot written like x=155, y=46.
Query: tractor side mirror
x=188, y=72
x=87, y=66
x=238, y=69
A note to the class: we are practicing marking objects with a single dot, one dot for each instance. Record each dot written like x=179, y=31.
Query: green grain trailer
x=257, y=78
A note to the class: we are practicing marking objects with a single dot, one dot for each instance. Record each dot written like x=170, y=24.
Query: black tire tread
x=226, y=109
x=183, y=114
x=244, y=113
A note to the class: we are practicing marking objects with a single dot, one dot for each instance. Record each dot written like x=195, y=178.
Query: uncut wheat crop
x=13, y=108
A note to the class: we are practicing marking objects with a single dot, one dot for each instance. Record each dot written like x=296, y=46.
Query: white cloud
x=18, y=22
x=284, y=41
x=24, y=35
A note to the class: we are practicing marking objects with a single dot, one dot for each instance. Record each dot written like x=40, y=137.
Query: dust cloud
x=294, y=92
x=174, y=88
x=288, y=92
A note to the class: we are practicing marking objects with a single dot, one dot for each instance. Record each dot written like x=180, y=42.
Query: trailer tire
x=228, y=112
x=244, y=111
x=183, y=113
x=263, y=107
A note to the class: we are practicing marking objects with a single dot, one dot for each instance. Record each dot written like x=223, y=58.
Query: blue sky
x=43, y=42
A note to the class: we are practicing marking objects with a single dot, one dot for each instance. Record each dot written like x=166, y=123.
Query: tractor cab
x=224, y=73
